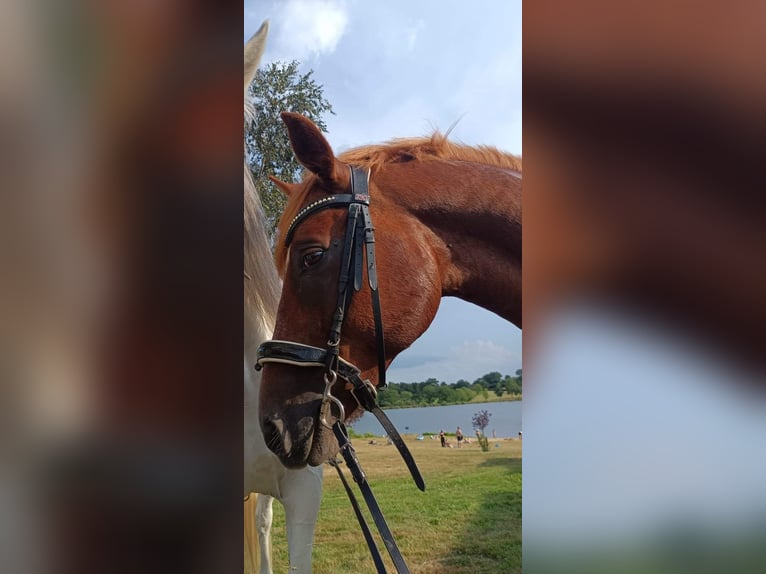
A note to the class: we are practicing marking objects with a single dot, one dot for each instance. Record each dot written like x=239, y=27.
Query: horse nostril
x=272, y=434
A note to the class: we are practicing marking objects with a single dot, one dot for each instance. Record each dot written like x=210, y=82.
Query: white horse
x=299, y=491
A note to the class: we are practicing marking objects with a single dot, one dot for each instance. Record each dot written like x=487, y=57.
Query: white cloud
x=469, y=361
x=483, y=352
x=411, y=32
x=307, y=28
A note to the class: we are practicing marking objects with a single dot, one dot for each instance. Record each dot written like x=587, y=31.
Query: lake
x=505, y=419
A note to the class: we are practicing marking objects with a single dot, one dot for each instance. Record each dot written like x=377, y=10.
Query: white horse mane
x=299, y=490
x=262, y=284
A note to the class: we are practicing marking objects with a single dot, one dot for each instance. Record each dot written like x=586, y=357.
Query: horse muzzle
x=297, y=426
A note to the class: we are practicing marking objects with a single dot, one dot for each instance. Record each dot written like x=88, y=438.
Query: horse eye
x=312, y=258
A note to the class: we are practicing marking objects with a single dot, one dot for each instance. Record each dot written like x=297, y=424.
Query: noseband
x=359, y=242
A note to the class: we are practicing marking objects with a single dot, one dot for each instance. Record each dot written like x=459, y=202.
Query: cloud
x=308, y=28
x=411, y=32
x=469, y=360
x=483, y=352
x=407, y=361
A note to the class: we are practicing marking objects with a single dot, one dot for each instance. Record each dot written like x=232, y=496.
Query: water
x=505, y=419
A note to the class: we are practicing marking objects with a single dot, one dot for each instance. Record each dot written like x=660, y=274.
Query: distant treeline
x=434, y=392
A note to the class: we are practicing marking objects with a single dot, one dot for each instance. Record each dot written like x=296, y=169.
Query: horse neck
x=473, y=215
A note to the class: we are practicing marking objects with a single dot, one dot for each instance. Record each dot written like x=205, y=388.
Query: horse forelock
x=375, y=157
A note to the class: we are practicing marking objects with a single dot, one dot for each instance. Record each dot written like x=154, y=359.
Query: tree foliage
x=481, y=420
x=435, y=392
x=279, y=87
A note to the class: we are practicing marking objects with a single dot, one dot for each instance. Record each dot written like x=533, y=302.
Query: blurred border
x=644, y=310
x=120, y=164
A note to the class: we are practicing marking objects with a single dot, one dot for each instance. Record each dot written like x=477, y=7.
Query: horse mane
x=262, y=284
x=374, y=157
x=435, y=147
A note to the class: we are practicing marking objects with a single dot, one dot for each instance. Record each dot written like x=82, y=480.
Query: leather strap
x=364, y=392
x=349, y=455
x=301, y=355
x=331, y=201
x=376, y=557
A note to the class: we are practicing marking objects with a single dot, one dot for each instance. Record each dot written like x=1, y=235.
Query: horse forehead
x=321, y=223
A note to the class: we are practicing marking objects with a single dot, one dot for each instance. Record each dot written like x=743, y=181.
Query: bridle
x=359, y=242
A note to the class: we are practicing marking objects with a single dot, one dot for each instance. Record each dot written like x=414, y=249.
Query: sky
x=402, y=68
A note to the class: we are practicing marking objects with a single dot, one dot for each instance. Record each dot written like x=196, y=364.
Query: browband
x=331, y=201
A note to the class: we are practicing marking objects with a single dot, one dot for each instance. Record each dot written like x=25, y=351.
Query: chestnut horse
x=299, y=491
x=447, y=222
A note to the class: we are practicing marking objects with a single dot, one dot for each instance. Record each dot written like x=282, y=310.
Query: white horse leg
x=303, y=496
x=300, y=539
x=263, y=516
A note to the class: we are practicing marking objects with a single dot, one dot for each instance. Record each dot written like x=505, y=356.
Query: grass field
x=467, y=521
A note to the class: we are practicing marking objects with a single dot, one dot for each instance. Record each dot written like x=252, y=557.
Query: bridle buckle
x=328, y=399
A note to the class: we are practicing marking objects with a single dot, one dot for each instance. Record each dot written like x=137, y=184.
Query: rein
x=359, y=242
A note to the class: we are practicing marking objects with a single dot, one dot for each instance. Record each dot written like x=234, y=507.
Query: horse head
x=410, y=288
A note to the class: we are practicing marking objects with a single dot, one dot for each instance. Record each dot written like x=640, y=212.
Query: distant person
x=442, y=438
x=459, y=436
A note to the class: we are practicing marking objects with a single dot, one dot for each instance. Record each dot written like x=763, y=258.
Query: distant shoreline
x=476, y=401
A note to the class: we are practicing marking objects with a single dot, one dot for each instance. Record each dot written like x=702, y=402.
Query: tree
x=446, y=394
x=464, y=395
x=277, y=88
x=430, y=391
x=480, y=422
x=491, y=381
x=512, y=384
x=462, y=383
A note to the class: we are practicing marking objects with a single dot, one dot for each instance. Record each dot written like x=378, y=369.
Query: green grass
x=467, y=521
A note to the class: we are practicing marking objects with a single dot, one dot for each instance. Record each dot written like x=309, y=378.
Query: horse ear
x=312, y=150
x=287, y=188
x=253, y=52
